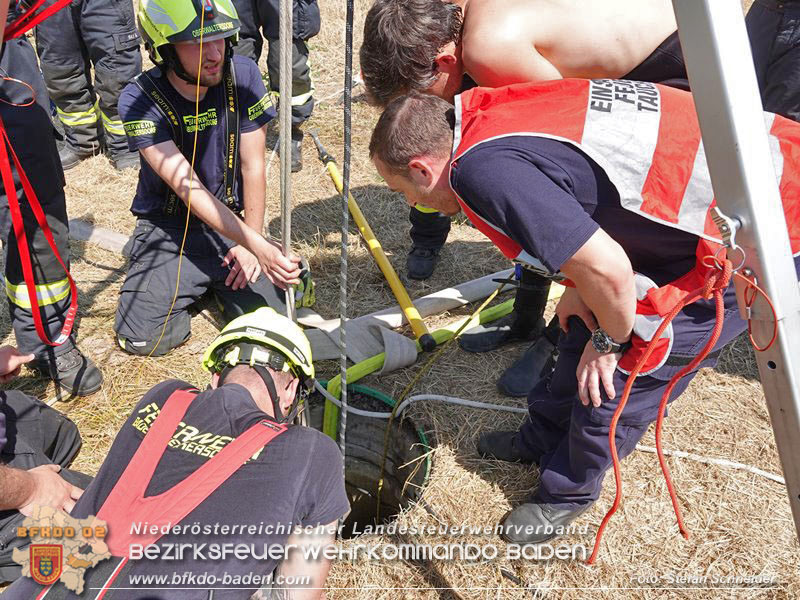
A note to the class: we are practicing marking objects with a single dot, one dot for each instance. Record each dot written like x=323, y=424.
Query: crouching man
x=605, y=183
x=198, y=120
x=219, y=467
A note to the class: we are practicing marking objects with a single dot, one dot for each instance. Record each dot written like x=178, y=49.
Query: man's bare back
x=511, y=41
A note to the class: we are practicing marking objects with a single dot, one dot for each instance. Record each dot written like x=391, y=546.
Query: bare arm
x=603, y=277
x=251, y=155
x=298, y=566
x=40, y=486
x=3, y=16
x=175, y=170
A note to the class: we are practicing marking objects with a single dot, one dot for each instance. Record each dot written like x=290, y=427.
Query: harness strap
x=227, y=193
x=232, y=137
x=22, y=240
x=30, y=19
x=126, y=503
x=149, y=86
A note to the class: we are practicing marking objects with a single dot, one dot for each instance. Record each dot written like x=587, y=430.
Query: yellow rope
x=189, y=198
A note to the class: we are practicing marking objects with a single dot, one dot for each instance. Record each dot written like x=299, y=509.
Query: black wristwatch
x=604, y=344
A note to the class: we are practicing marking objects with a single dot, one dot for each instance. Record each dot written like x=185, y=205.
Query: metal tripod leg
x=723, y=81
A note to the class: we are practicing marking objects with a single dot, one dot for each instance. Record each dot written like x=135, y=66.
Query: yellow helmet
x=164, y=22
x=262, y=337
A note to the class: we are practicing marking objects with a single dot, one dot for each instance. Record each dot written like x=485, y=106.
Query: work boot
x=504, y=445
x=421, y=261
x=125, y=160
x=532, y=523
x=296, y=145
x=535, y=364
x=71, y=371
x=514, y=327
x=71, y=157
x=523, y=324
x=297, y=150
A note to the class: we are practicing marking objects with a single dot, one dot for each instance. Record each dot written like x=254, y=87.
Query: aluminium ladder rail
x=722, y=77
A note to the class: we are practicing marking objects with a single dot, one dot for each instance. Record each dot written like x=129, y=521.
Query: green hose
x=330, y=421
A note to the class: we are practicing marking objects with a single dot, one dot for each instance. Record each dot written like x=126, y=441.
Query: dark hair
x=401, y=41
x=411, y=126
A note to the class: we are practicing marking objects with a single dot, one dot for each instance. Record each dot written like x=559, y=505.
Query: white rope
x=721, y=462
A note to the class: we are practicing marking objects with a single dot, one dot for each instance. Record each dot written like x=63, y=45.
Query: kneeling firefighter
x=198, y=119
x=186, y=460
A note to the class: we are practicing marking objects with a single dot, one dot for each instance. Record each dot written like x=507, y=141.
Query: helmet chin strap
x=269, y=382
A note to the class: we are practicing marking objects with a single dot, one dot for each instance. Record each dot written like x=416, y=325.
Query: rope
x=721, y=462
x=285, y=108
x=348, y=105
x=714, y=286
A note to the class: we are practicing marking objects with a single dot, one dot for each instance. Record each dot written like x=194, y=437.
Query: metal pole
x=285, y=123
x=348, y=100
x=721, y=73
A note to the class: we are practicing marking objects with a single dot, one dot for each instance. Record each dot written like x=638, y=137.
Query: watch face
x=601, y=342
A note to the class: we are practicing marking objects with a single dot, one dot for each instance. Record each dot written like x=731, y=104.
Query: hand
x=11, y=360
x=244, y=267
x=50, y=489
x=571, y=304
x=593, y=369
x=279, y=269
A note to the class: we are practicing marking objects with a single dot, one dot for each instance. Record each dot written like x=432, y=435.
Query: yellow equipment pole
x=425, y=339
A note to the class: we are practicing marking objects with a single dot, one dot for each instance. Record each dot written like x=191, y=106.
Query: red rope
x=714, y=286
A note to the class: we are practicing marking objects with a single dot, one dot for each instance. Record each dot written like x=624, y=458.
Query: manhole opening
x=408, y=461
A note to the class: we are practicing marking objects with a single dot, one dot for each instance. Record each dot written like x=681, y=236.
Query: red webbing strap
x=126, y=503
x=22, y=240
x=28, y=20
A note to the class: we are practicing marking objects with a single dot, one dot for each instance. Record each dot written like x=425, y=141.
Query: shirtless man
x=429, y=45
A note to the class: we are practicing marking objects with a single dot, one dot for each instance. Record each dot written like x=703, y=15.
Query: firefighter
x=224, y=250
x=421, y=44
x=603, y=182
x=25, y=110
x=262, y=16
x=230, y=458
x=90, y=37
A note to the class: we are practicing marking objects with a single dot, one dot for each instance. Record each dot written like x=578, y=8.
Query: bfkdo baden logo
x=61, y=548
x=45, y=561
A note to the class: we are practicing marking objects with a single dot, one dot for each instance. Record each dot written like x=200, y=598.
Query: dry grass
x=740, y=524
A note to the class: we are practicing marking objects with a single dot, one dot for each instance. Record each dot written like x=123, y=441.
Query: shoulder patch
x=142, y=127
x=259, y=107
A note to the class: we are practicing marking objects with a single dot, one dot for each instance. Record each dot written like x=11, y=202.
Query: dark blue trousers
x=571, y=440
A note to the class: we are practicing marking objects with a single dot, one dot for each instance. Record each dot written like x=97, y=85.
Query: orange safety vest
x=647, y=139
